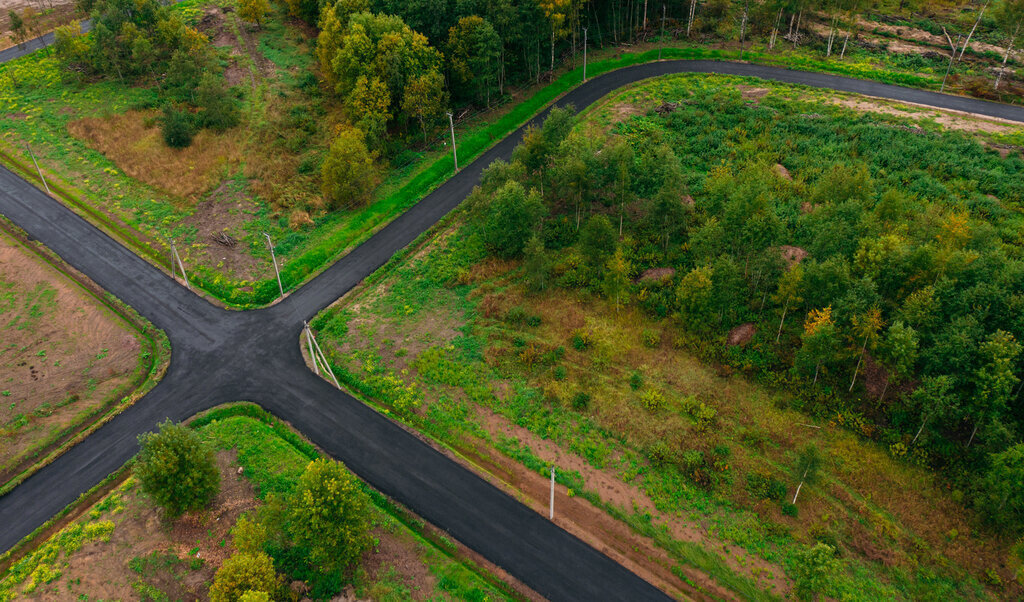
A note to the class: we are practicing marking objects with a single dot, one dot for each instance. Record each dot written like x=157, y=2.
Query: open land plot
x=659, y=420
x=121, y=547
x=66, y=358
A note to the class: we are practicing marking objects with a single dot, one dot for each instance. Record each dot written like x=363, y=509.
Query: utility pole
x=551, y=506
x=174, y=251
x=455, y=155
x=309, y=343
x=38, y=171
x=662, y=31
x=950, y=66
x=584, y=54
x=270, y=245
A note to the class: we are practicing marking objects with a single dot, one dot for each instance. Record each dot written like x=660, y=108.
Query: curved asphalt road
x=220, y=356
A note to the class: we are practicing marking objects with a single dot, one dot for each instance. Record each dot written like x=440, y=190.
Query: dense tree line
x=895, y=250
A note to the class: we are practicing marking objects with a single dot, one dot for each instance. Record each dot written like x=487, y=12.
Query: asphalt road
x=220, y=356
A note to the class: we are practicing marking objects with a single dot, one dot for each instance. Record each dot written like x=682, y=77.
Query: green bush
x=581, y=400
x=243, y=573
x=177, y=127
x=652, y=399
x=659, y=453
x=582, y=340
x=176, y=469
x=636, y=381
x=650, y=338
x=558, y=372
x=762, y=486
x=789, y=509
x=813, y=570
x=327, y=515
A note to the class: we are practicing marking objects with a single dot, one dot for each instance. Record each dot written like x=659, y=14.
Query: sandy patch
x=949, y=119
x=219, y=219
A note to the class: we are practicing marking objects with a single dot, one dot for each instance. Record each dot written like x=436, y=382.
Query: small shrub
x=242, y=573
x=692, y=460
x=659, y=453
x=518, y=342
x=534, y=321
x=650, y=338
x=559, y=372
x=552, y=356
x=177, y=127
x=582, y=339
x=636, y=381
x=516, y=315
x=761, y=486
x=789, y=509
x=581, y=400
x=652, y=399
x=530, y=355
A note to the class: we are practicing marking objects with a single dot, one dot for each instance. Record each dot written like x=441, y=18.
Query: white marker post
x=181, y=266
x=584, y=54
x=551, y=506
x=38, y=171
x=270, y=245
x=455, y=155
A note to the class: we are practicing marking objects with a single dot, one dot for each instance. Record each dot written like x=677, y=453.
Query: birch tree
x=807, y=467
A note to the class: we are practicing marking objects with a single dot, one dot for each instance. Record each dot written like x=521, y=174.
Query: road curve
x=220, y=356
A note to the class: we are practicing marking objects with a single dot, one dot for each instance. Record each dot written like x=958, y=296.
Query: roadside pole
x=455, y=155
x=38, y=171
x=270, y=245
x=584, y=54
x=551, y=506
x=662, y=40
x=181, y=266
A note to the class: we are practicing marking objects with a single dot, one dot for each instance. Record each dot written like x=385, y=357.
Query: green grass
x=273, y=457
x=34, y=93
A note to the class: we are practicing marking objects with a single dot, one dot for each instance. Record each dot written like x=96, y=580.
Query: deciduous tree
x=348, y=175
x=512, y=219
x=176, y=469
x=473, y=53
x=254, y=11
x=327, y=515
x=244, y=574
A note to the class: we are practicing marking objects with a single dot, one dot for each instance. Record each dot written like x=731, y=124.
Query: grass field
x=691, y=454
x=68, y=358
x=98, y=143
x=121, y=548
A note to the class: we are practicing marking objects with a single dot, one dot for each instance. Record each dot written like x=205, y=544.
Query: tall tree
x=866, y=327
x=807, y=467
x=616, y=278
x=348, y=175
x=898, y=353
x=994, y=380
x=425, y=100
x=511, y=220
x=474, y=49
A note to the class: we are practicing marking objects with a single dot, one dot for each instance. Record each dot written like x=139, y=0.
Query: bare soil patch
x=657, y=275
x=741, y=335
x=793, y=255
x=133, y=142
x=245, y=53
x=61, y=352
x=752, y=93
x=949, y=119
x=219, y=219
x=623, y=111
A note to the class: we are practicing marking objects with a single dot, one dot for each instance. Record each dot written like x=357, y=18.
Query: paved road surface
x=220, y=356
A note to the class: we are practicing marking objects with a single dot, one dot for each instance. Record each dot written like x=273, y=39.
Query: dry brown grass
x=133, y=142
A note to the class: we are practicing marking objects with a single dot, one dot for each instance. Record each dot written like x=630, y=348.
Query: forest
x=893, y=255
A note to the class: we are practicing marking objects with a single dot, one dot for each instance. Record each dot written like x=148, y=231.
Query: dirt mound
x=782, y=171
x=741, y=335
x=875, y=376
x=687, y=200
x=792, y=255
x=656, y=275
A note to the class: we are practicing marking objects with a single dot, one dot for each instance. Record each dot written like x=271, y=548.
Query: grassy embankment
x=417, y=560
x=150, y=195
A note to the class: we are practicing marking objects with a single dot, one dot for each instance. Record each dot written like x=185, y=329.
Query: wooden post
x=323, y=358
x=551, y=506
x=455, y=155
x=181, y=266
x=38, y=171
x=270, y=245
